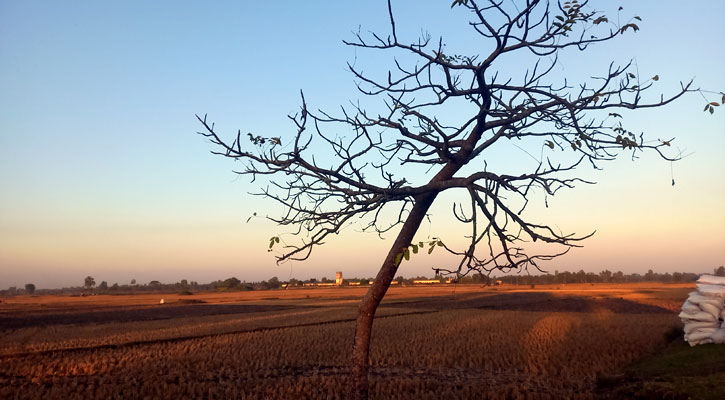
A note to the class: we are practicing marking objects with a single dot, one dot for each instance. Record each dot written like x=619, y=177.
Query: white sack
x=691, y=326
x=718, y=336
x=712, y=280
x=698, y=335
x=691, y=308
x=701, y=316
x=709, y=308
x=703, y=341
x=697, y=298
x=711, y=290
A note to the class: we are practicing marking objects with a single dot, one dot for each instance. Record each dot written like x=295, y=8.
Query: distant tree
x=368, y=164
x=114, y=287
x=103, y=286
x=89, y=282
x=649, y=276
x=720, y=271
x=274, y=283
x=29, y=288
x=133, y=281
x=155, y=283
x=229, y=284
x=481, y=279
x=184, y=283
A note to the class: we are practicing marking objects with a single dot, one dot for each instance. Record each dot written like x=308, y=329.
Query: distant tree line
x=605, y=276
x=235, y=285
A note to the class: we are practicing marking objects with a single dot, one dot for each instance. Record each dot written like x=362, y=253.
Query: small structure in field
x=162, y=301
x=338, y=278
x=426, y=281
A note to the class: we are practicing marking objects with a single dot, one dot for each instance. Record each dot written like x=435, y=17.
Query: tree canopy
x=370, y=163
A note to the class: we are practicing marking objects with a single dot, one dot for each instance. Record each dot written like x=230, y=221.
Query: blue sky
x=103, y=174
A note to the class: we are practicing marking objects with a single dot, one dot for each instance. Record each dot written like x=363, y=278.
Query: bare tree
x=397, y=161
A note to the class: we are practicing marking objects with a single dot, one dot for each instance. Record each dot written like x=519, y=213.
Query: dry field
x=548, y=342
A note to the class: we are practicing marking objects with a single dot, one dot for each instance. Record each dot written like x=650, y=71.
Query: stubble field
x=548, y=342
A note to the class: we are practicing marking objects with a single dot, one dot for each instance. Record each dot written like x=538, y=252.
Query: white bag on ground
x=718, y=336
x=711, y=309
x=712, y=280
x=697, y=298
x=692, y=326
x=711, y=290
x=690, y=308
x=701, y=316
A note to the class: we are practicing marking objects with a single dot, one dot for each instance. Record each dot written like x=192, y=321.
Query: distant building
x=426, y=281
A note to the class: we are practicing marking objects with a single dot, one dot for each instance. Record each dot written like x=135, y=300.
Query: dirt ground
x=31, y=311
x=431, y=341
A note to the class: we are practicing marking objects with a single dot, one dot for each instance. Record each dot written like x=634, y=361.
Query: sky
x=103, y=174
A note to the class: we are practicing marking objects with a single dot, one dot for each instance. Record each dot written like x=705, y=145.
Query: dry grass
x=486, y=348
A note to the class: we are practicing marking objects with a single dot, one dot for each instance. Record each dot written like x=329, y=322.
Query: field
x=547, y=342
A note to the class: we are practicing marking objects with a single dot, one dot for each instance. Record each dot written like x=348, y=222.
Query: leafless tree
x=355, y=165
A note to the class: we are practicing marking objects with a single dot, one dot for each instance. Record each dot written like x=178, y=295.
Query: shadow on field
x=531, y=301
x=128, y=314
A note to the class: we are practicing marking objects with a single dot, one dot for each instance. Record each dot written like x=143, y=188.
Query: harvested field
x=428, y=342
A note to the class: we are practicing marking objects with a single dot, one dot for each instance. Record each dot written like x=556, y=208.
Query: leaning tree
x=387, y=167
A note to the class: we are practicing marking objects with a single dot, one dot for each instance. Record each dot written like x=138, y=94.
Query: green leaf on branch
x=550, y=144
x=625, y=27
x=398, y=259
x=406, y=254
x=656, y=78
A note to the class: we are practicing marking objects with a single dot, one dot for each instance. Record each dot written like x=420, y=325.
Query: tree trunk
x=369, y=304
